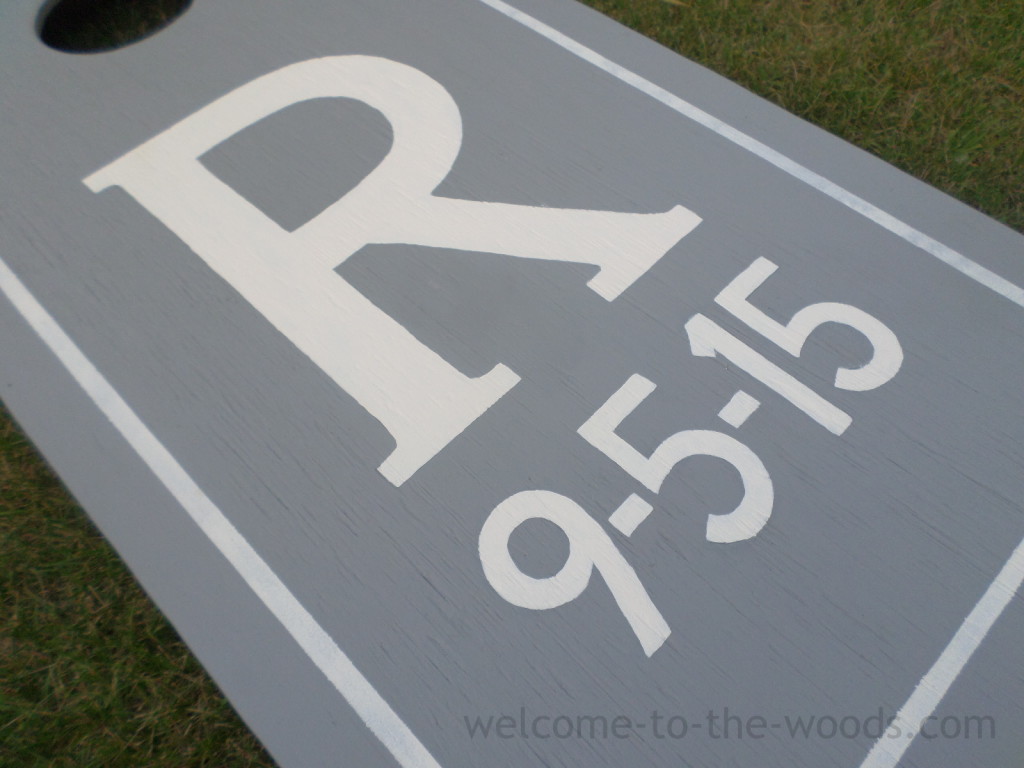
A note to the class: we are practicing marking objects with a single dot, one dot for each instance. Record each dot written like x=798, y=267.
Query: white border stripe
x=943, y=253
x=385, y=724
x=937, y=681
x=950, y=664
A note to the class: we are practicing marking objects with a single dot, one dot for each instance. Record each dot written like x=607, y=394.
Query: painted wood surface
x=481, y=384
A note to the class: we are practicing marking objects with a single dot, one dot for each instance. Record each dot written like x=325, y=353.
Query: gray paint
x=881, y=542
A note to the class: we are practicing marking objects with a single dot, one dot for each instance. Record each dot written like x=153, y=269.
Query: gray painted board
x=333, y=409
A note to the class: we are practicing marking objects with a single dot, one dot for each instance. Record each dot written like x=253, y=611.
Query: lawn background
x=92, y=675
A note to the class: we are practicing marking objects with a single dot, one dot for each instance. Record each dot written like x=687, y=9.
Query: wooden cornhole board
x=480, y=384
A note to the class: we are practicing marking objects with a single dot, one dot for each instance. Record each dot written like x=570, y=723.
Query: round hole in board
x=92, y=26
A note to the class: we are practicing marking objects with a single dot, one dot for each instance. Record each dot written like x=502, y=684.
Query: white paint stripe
x=936, y=683
x=385, y=724
x=931, y=246
x=933, y=686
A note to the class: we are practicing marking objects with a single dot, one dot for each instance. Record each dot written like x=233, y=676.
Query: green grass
x=91, y=675
x=934, y=87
